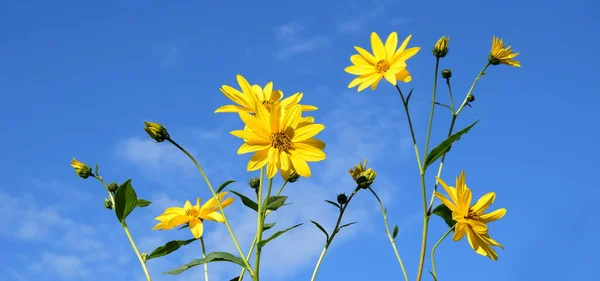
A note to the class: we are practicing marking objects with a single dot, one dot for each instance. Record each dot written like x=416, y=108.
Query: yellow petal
x=449, y=190
x=369, y=81
x=459, y=231
x=359, y=69
x=292, y=100
x=484, y=202
x=255, y=125
x=377, y=46
x=272, y=162
x=307, y=132
x=309, y=107
x=309, y=153
x=404, y=76
x=197, y=228
x=258, y=160
x=390, y=45
x=275, y=118
x=235, y=96
x=252, y=146
x=493, y=216
x=390, y=77
x=366, y=55
x=447, y=202
x=477, y=226
x=315, y=143
x=405, y=55
x=292, y=118
x=249, y=135
x=285, y=162
x=179, y=220
x=214, y=216
x=231, y=108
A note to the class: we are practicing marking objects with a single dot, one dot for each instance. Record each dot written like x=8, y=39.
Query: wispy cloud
x=362, y=18
x=293, y=39
x=65, y=266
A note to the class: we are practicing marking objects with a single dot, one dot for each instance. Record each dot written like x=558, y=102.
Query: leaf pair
x=126, y=200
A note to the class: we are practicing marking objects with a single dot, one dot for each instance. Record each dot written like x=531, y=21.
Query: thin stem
x=262, y=209
x=435, y=78
x=434, y=248
x=216, y=196
x=135, y=249
x=439, y=173
x=387, y=231
x=425, y=227
x=336, y=229
x=481, y=73
x=450, y=94
x=204, y=256
x=412, y=131
x=248, y=258
x=281, y=188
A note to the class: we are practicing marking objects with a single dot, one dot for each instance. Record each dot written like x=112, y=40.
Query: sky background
x=79, y=79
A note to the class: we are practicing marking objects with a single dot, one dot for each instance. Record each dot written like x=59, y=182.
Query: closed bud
x=108, y=204
x=342, y=198
x=82, y=170
x=112, y=187
x=441, y=47
x=293, y=177
x=471, y=98
x=156, y=131
x=366, y=178
x=446, y=73
x=144, y=257
x=254, y=183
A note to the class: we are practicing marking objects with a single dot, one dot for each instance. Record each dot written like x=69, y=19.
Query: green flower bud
x=446, y=73
x=293, y=177
x=254, y=183
x=108, y=204
x=156, y=131
x=342, y=198
x=441, y=47
x=470, y=98
x=144, y=257
x=82, y=170
x=112, y=187
x=366, y=178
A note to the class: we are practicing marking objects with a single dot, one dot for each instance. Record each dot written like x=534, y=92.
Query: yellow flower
x=280, y=141
x=502, y=54
x=156, y=131
x=193, y=215
x=357, y=170
x=441, y=47
x=250, y=96
x=385, y=62
x=82, y=170
x=470, y=220
x=362, y=176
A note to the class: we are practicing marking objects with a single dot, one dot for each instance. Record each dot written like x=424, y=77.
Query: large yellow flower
x=471, y=220
x=250, y=96
x=385, y=62
x=501, y=54
x=194, y=215
x=281, y=139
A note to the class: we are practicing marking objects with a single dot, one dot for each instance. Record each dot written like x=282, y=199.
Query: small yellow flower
x=82, y=170
x=362, y=176
x=501, y=54
x=441, y=47
x=357, y=170
x=193, y=215
x=250, y=96
x=385, y=62
x=156, y=131
x=470, y=220
x=280, y=141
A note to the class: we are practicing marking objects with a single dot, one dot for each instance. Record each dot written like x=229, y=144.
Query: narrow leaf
x=434, y=278
x=143, y=203
x=237, y=278
x=275, y=235
x=211, y=257
x=348, y=224
x=169, y=247
x=268, y=226
x=333, y=203
x=275, y=202
x=445, y=213
x=96, y=170
x=444, y=146
x=247, y=201
x=321, y=228
x=184, y=226
x=224, y=185
x=395, y=233
x=409, y=95
x=125, y=200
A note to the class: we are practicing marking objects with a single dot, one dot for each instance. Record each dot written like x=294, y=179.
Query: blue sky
x=78, y=80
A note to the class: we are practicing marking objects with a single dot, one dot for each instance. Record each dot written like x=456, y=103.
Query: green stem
x=481, y=73
x=262, y=209
x=387, y=231
x=439, y=173
x=450, y=93
x=435, y=78
x=433, y=251
x=336, y=229
x=216, y=196
x=281, y=188
x=204, y=256
x=410, y=125
x=135, y=249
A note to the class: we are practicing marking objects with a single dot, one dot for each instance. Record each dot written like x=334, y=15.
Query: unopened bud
x=254, y=183
x=441, y=47
x=144, y=257
x=82, y=170
x=342, y=198
x=366, y=178
x=112, y=187
x=156, y=131
x=293, y=177
x=471, y=98
x=108, y=204
x=446, y=73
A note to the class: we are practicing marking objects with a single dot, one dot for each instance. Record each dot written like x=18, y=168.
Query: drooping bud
x=82, y=170
x=156, y=131
x=441, y=47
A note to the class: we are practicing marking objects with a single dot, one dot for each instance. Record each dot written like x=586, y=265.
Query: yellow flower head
x=470, y=219
x=193, y=215
x=156, y=131
x=251, y=96
x=441, y=47
x=362, y=176
x=358, y=169
x=385, y=62
x=280, y=140
x=501, y=54
x=82, y=170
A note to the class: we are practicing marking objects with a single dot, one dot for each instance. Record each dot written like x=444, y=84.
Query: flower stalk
x=433, y=251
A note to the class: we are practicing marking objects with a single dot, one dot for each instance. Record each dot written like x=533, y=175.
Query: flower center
x=382, y=66
x=267, y=105
x=472, y=216
x=280, y=141
x=192, y=212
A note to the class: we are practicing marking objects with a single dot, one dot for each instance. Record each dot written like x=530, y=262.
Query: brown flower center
x=192, y=212
x=267, y=105
x=382, y=66
x=471, y=215
x=280, y=141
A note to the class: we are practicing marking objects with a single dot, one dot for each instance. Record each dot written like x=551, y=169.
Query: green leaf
x=333, y=203
x=125, y=200
x=348, y=224
x=211, y=257
x=444, y=147
x=247, y=201
x=237, y=278
x=434, y=279
x=409, y=95
x=170, y=247
x=275, y=202
x=143, y=203
x=321, y=228
x=225, y=184
x=395, y=233
x=268, y=226
x=184, y=226
x=275, y=235
x=445, y=213
x=96, y=170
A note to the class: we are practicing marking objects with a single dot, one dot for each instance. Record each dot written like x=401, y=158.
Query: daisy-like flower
x=193, y=215
x=280, y=141
x=250, y=96
x=501, y=54
x=470, y=219
x=81, y=169
x=385, y=62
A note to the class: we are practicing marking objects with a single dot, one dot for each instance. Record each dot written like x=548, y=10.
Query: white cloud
x=293, y=40
x=65, y=266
